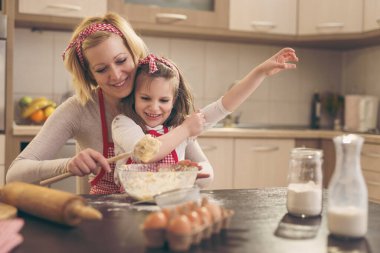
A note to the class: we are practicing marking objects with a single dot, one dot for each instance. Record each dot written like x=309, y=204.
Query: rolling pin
x=57, y=206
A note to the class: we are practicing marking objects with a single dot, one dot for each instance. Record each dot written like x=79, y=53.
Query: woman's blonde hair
x=183, y=99
x=82, y=78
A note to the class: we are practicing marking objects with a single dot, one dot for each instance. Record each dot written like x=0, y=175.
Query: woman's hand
x=280, y=61
x=88, y=161
x=194, y=123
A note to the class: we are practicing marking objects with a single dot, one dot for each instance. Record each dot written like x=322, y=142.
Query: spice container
x=347, y=212
x=304, y=195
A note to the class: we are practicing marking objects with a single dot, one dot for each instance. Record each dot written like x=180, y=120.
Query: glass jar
x=347, y=210
x=304, y=196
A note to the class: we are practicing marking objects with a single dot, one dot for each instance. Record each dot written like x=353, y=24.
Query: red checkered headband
x=152, y=60
x=77, y=43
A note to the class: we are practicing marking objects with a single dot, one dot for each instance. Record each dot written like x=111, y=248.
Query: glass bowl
x=178, y=196
x=144, y=181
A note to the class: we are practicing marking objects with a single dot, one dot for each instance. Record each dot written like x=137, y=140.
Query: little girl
x=161, y=102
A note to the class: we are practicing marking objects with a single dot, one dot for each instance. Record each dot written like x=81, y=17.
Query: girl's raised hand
x=194, y=123
x=88, y=161
x=281, y=60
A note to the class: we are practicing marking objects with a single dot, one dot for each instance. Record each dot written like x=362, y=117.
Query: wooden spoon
x=144, y=150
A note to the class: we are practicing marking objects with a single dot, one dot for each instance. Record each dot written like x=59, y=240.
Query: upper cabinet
x=63, y=8
x=269, y=16
x=57, y=14
x=330, y=16
x=371, y=15
x=186, y=13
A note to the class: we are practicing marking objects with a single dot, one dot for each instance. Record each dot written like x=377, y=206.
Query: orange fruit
x=38, y=116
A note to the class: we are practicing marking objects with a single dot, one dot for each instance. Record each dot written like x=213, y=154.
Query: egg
x=205, y=216
x=180, y=224
x=156, y=220
x=215, y=211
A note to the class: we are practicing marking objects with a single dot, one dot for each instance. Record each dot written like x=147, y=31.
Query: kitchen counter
x=236, y=132
x=260, y=224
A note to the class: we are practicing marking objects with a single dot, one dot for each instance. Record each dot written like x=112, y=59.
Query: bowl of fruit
x=36, y=110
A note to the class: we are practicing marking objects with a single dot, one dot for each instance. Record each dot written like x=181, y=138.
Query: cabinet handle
x=330, y=25
x=373, y=183
x=208, y=148
x=170, y=17
x=264, y=148
x=263, y=25
x=70, y=7
x=371, y=154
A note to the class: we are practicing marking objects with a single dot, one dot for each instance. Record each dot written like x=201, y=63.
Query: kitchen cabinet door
x=2, y=159
x=269, y=16
x=330, y=16
x=261, y=162
x=196, y=14
x=63, y=8
x=219, y=152
x=371, y=15
x=370, y=160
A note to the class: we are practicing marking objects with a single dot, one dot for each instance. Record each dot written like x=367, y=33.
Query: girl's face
x=112, y=66
x=154, y=101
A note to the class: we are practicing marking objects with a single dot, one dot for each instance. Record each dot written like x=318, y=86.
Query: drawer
x=373, y=183
x=63, y=8
x=370, y=158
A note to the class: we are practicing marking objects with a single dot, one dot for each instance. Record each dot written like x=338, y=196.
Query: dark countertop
x=260, y=224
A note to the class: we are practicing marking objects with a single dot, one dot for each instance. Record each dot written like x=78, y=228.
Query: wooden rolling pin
x=57, y=206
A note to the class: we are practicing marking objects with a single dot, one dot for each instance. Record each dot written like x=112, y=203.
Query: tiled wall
x=210, y=66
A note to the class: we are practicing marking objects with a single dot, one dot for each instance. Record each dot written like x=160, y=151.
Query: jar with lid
x=347, y=209
x=304, y=195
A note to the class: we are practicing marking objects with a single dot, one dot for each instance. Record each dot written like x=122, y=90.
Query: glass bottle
x=304, y=196
x=347, y=211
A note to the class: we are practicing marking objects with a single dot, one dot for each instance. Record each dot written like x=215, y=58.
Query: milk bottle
x=347, y=211
x=304, y=196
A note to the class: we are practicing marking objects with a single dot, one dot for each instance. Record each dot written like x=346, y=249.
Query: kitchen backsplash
x=211, y=67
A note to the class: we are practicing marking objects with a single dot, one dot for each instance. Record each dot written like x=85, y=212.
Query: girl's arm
x=234, y=97
x=194, y=153
x=126, y=133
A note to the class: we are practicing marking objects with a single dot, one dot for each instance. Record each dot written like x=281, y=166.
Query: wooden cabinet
x=208, y=13
x=371, y=15
x=220, y=152
x=57, y=14
x=370, y=160
x=330, y=16
x=2, y=159
x=269, y=16
x=261, y=162
x=63, y=8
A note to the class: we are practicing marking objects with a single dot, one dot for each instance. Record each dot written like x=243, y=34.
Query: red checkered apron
x=104, y=182
x=171, y=158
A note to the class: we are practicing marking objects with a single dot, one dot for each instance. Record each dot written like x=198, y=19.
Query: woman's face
x=112, y=67
x=154, y=101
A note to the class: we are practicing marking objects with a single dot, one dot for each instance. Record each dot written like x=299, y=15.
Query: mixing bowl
x=144, y=181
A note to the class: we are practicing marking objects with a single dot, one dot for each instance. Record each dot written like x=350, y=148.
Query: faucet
x=231, y=121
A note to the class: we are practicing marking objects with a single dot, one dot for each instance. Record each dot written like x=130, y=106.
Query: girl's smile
x=154, y=101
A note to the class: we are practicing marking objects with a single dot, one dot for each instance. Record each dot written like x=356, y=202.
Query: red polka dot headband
x=77, y=43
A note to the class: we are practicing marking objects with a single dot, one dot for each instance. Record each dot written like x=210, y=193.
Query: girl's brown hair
x=183, y=99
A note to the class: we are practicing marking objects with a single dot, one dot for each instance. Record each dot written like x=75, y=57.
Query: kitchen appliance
x=360, y=113
x=3, y=36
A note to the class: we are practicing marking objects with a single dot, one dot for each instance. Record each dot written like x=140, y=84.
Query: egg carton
x=185, y=225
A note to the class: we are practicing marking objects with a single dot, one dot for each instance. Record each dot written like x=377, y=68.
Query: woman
x=102, y=58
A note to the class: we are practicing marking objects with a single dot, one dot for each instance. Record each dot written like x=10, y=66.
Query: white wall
x=210, y=67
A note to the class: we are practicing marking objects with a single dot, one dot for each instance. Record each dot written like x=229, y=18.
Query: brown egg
x=180, y=225
x=205, y=215
x=195, y=218
x=215, y=211
x=155, y=220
